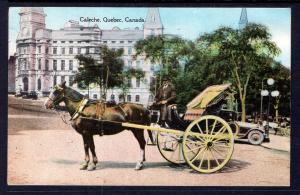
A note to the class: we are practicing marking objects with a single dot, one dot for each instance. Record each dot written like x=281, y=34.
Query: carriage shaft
x=151, y=128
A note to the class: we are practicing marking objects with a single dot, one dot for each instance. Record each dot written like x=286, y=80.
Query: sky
x=188, y=23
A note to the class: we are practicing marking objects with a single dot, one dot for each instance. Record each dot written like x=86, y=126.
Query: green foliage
x=104, y=73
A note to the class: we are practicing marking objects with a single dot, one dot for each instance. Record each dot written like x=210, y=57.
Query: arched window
x=150, y=98
x=39, y=84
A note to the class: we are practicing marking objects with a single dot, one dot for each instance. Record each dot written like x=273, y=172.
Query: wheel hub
x=209, y=144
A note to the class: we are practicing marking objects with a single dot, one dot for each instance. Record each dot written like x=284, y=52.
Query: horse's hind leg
x=86, y=150
x=92, y=165
x=139, y=135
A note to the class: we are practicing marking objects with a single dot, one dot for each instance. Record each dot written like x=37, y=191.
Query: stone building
x=45, y=57
x=11, y=74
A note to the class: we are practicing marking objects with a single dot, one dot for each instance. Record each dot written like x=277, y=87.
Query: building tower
x=153, y=25
x=243, y=19
x=31, y=19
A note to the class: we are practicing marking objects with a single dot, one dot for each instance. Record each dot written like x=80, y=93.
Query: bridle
x=55, y=100
x=80, y=107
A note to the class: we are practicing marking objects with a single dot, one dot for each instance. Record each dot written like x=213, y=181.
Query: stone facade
x=11, y=74
x=46, y=57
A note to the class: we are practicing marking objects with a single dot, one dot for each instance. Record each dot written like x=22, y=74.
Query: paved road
x=42, y=150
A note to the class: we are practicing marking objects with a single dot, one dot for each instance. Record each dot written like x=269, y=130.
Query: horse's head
x=56, y=96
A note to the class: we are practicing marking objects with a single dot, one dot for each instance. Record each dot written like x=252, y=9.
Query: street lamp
x=263, y=93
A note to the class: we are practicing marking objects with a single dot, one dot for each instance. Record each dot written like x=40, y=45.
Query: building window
x=54, y=50
x=54, y=80
x=121, y=41
x=46, y=50
x=129, y=41
x=87, y=50
x=95, y=96
x=62, y=41
x=129, y=83
x=113, y=41
x=137, y=98
x=46, y=65
x=71, y=50
x=105, y=42
x=138, y=82
x=63, y=50
x=152, y=32
x=121, y=98
x=151, y=98
x=129, y=51
x=71, y=79
x=54, y=64
x=70, y=41
x=78, y=41
x=54, y=41
x=63, y=79
x=152, y=67
x=138, y=64
x=39, y=84
x=128, y=98
x=40, y=49
x=129, y=63
x=39, y=64
x=97, y=50
x=70, y=64
x=79, y=50
x=62, y=64
x=112, y=97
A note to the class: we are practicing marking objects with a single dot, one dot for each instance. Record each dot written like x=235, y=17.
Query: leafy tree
x=126, y=76
x=242, y=52
x=105, y=73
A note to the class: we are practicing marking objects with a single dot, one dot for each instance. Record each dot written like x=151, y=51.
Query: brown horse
x=81, y=108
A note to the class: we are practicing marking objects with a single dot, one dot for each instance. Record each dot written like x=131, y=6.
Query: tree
x=104, y=72
x=126, y=76
x=160, y=50
x=242, y=52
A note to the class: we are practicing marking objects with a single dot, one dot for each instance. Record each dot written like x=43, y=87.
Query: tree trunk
x=243, y=107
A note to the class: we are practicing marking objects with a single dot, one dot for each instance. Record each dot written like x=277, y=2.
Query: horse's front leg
x=92, y=165
x=84, y=166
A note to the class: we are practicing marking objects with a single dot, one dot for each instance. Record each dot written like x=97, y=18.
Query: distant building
x=46, y=57
x=11, y=74
x=243, y=19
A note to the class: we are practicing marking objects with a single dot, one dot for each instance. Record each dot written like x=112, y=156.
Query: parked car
x=31, y=95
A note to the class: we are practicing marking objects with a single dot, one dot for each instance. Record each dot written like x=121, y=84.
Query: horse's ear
x=63, y=84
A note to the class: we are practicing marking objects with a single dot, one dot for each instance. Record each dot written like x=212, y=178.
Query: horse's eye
x=55, y=93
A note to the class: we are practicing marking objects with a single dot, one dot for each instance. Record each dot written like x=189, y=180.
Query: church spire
x=243, y=19
x=153, y=24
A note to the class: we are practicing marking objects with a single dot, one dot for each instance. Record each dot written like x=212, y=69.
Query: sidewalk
x=278, y=142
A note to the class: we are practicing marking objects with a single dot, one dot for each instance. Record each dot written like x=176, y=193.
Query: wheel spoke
x=214, y=157
x=196, y=148
x=199, y=128
x=203, y=149
x=220, y=131
x=217, y=151
x=171, y=157
x=214, y=125
x=202, y=159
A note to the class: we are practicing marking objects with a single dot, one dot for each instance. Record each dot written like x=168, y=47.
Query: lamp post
x=263, y=93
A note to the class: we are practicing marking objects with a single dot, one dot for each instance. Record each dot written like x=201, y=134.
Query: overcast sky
x=186, y=22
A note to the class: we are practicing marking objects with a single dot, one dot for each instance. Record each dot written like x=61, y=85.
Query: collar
x=79, y=109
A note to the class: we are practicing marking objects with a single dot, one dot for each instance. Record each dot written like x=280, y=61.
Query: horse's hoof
x=83, y=167
x=139, y=166
x=91, y=167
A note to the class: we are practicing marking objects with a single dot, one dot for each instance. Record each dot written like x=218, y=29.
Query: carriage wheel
x=170, y=147
x=208, y=144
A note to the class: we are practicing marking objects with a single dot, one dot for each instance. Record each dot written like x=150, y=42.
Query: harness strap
x=79, y=109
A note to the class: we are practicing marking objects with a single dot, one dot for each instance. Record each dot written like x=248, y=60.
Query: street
x=42, y=150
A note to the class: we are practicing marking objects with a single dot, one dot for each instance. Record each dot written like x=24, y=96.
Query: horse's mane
x=74, y=94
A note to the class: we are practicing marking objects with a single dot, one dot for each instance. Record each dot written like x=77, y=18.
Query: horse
x=80, y=108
